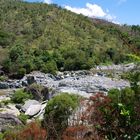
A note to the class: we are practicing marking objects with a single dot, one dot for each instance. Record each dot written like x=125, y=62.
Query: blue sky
x=119, y=11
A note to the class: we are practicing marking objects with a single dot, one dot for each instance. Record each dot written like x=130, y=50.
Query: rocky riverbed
x=81, y=82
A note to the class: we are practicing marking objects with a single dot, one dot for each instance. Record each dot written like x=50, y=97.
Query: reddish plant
x=32, y=131
x=74, y=133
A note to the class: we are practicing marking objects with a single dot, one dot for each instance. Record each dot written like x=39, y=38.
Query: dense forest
x=38, y=36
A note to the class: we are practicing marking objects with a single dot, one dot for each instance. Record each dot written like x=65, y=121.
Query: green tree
x=49, y=67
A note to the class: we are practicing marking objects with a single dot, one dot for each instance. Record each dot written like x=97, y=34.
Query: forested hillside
x=37, y=36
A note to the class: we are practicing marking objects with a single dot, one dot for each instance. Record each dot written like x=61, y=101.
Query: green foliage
x=63, y=103
x=134, y=77
x=125, y=96
x=3, y=55
x=134, y=81
x=114, y=94
x=3, y=78
x=21, y=72
x=5, y=38
x=126, y=103
x=38, y=42
x=20, y=96
x=23, y=118
x=1, y=136
x=5, y=102
x=58, y=110
x=133, y=57
x=50, y=67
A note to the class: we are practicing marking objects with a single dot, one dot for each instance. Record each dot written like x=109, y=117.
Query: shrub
x=57, y=113
x=20, y=96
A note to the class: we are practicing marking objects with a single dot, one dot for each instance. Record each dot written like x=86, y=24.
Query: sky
x=117, y=11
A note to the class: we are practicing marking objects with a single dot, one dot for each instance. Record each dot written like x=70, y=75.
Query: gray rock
x=4, y=85
x=18, y=106
x=40, y=115
x=8, y=121
x=31, y=80
x=10, y=109
x=28, y=103
x=33, y=110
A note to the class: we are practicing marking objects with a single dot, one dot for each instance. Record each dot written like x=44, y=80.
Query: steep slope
x=37, y=36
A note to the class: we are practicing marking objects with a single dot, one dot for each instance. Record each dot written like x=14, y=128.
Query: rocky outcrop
x=8, y=121
x=28, y=103
x=33, y=108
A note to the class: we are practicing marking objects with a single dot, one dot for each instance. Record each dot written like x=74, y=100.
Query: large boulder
x=33, y=110
x=28, y=103
x=8, y=121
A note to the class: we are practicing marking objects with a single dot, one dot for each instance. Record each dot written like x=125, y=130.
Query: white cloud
x=47, y=1
x=93, y=10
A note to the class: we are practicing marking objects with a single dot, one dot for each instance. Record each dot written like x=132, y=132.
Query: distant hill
x=37, y=36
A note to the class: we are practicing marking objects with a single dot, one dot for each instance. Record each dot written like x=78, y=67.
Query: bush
x=57, y=113
x=20, y=96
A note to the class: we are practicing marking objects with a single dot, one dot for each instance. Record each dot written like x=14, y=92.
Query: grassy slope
x=49, y=27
